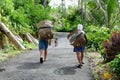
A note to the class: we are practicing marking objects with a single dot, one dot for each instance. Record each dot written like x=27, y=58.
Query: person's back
x=78, y=39
x=45, y=35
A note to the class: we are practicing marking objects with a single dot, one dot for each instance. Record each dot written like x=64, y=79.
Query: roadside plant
x=111, y=46
x=115, y=65
x=107, y=75
x=96, y=35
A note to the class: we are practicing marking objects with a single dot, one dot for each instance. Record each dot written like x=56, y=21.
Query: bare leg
x=79, y=57
x=45, y=55
x=80, y=60
x=41, y=53
x=82, y=56
x=41, y=56
x=77, y=54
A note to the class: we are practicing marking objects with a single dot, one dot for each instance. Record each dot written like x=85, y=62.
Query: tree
x=10, y=35
x=105, y=12
x=44, y=3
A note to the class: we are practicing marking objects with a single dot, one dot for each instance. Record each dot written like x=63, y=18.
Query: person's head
x=80, y=27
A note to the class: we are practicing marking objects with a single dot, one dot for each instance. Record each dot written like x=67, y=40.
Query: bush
x=111, y=46
x=115, y=64
x=95, y=36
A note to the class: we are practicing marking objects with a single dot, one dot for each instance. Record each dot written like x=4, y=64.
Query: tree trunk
x=10, y=35
x=63, y=8
x=35, y=2
x=19, y=38
x=1, y=40
x=28, y=38
x=33, y=39
x=5, y=41
x=45, y=3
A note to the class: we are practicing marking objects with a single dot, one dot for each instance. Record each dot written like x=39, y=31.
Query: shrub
x=115, y=65
x=95, y=36
x=111, y=46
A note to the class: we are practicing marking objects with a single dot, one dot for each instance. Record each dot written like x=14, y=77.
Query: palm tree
x=63, y=8
x=82, y=9
x=103, y=12
x=43, y=2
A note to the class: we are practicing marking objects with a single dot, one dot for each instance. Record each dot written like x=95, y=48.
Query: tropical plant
x=22, y=16
x=103, y=12
x=115, y=64
x=96, y=36
x=111, y=46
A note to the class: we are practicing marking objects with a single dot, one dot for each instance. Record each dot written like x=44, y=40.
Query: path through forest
x=60, y=65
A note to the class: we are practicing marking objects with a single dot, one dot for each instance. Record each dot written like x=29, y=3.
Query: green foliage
x=23, y=3
x=70, y=21
x=102, y=12
x=97, y=13
x=19, y=21
x=64, y=27
x=91, y=5
x=95, y=36
x=111, y=8
x=98, y=17
x=115, y=64
x=27, y=45
x=4, y=9
x=21, y=16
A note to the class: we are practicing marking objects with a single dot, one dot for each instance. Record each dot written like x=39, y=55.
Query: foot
x=44, y=60
x=83, y=63
x=79, y=66
x=41, y=60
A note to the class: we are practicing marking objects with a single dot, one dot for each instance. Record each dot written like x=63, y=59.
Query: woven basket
x=76, y=39
x=45, y=33
x=45, y=29
x=43, y=23
x=79, y=41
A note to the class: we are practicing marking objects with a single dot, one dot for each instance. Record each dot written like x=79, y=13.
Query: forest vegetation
x=101, y=20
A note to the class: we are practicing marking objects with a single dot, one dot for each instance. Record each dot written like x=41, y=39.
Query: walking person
x=43, y=46
x=79, y=46
x=45, y=35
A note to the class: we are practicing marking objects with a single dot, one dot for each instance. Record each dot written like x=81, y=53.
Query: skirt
x=78, y=49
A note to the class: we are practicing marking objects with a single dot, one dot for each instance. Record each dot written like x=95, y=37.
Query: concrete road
x=60, y=65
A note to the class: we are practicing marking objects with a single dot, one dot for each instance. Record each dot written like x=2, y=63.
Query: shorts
x=43, y=44
x=79, y=49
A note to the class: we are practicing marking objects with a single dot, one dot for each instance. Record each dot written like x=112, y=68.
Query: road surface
x=60, y=65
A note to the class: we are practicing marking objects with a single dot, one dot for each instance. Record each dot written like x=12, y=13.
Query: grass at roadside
x=10, y=53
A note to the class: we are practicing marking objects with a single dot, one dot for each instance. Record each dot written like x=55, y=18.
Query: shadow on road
x=66, y=70
x=29, y=65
